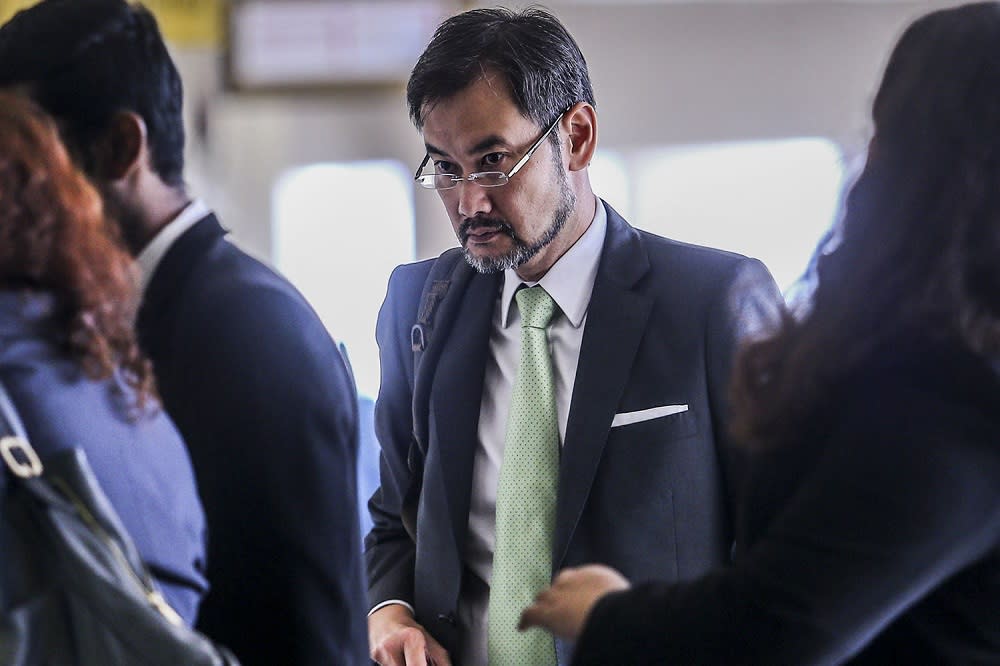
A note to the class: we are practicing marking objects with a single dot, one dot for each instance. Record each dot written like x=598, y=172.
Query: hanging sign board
x=310, y=43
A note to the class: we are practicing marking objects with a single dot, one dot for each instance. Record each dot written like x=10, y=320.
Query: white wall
x=664, y=73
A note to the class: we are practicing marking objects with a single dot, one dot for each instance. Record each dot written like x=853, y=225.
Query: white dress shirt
x=153, y=253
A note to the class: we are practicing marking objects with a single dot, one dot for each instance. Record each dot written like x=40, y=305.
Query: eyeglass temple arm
x=524, y=159
x=416, y=174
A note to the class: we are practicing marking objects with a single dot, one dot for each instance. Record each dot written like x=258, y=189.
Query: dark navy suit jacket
x=649, y=498
x=139, y=459
x=267, y=407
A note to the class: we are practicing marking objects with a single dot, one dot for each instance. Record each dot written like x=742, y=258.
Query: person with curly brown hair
x=870, y=530
x=69, y=357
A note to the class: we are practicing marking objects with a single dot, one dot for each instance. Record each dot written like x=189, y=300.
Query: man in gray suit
x=635, y=381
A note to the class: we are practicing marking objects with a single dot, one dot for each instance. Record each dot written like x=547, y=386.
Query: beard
x=126, y=222
x=522, y=250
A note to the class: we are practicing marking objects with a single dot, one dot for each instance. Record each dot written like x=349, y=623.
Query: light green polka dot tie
x=526, y=495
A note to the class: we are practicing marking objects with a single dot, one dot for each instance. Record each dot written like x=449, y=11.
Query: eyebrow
x=489, y=142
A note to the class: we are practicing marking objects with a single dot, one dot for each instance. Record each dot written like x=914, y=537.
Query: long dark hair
x=54, y=237
x=918, y=246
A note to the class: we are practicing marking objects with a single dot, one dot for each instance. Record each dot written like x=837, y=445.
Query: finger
x=531, y=617
x=415, y=650
x=545, y=596
x=436, y=654
x=383, y=656
x=563, y=574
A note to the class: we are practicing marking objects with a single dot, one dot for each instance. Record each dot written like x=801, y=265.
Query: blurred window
x=339, y=230
x=609, y=178
x=772, y=200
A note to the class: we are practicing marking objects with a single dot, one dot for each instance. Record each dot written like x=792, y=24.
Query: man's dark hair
x=531, y=49
x=85, y=60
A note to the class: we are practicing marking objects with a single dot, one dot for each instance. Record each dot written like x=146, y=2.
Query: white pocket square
x=625, y=418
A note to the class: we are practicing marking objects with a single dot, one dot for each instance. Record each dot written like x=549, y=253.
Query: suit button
x=448, y=618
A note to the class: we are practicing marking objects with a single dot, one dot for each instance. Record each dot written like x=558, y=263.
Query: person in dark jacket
x=69, y=357
x=252, y=378
x=870, y=531
x=512, y=446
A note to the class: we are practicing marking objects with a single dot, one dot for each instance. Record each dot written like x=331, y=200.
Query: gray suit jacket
x=651, y=498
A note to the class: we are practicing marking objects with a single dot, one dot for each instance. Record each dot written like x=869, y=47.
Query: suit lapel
x=456, y=395
x=169, y=276
x=616, y=320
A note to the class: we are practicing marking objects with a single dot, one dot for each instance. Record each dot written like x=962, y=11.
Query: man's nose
x=472, y=200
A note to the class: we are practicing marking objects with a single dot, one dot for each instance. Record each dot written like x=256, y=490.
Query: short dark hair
x=541, y=61
x=85, y=60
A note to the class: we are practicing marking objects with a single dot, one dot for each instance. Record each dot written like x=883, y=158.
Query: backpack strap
x=16, y=452
x=10, y=421
x=439, y=301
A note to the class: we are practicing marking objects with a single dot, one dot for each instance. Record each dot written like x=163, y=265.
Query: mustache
x=492, y=223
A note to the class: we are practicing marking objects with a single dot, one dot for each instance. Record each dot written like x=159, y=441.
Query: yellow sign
x=183, y=22
x=10, y=7
x=190, y=22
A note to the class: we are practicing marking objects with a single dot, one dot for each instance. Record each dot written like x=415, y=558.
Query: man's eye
x=444, y=167
x=493, y=159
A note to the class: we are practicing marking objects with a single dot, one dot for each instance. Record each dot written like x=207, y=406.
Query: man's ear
x=121, y=149
x=580, y=125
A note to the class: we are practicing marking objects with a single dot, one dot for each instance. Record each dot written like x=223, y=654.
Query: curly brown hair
x=55, y=237
x=916, y=254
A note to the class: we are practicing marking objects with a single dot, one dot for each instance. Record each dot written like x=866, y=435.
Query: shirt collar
x=570, y=281
x=153, y=254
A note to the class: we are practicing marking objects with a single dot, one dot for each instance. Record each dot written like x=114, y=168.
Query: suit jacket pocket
x=672, y=426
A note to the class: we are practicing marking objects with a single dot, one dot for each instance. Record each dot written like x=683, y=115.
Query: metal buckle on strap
x=20, y=457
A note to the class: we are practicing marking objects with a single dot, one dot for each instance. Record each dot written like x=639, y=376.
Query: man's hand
x=563, y=608
x=396, y=639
